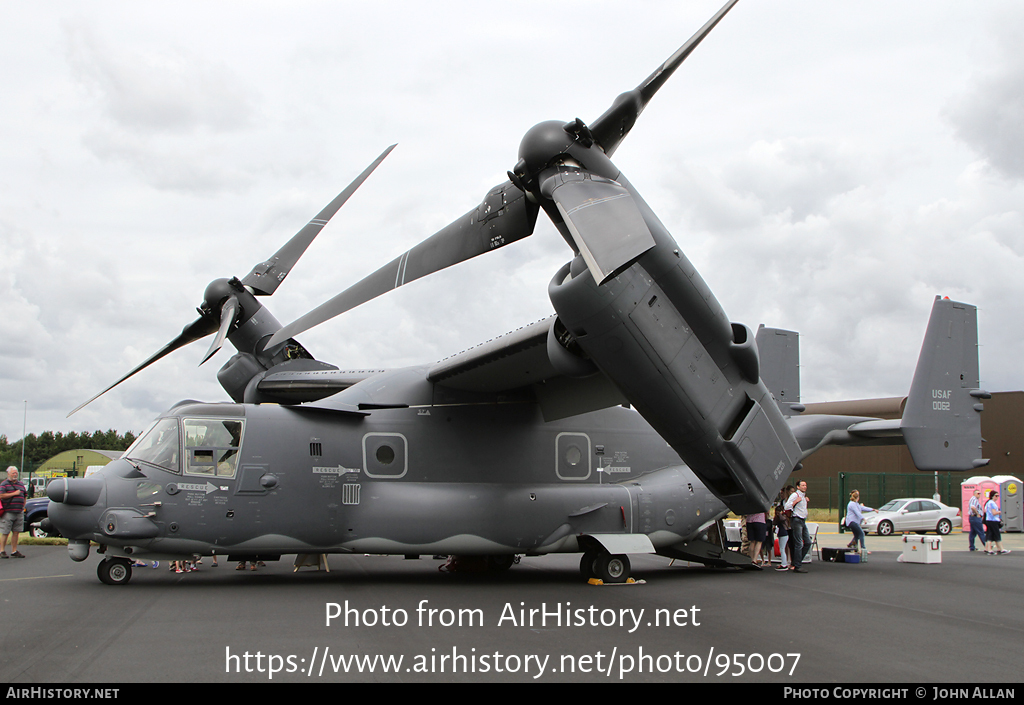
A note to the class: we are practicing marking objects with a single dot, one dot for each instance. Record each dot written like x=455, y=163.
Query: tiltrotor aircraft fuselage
x=629, y=422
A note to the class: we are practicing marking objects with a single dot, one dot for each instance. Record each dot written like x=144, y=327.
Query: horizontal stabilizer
x=876, y=428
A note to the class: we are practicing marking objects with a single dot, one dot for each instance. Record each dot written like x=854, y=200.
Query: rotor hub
x=217, y=292
x=543, y=142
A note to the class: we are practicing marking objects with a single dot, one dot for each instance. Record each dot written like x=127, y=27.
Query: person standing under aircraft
x=976, y=517
x=799, y=537
x=12, y=494
x=768, y=547
x=756, y=532
x=993, y=544
x=854, y=518
x=782, y=526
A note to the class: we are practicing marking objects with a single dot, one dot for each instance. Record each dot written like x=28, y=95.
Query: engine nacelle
x=711, y=408
x=236, y=374
x=565, y=354
x=743, y=350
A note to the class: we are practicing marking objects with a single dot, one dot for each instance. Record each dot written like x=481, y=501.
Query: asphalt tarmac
x=883, y=621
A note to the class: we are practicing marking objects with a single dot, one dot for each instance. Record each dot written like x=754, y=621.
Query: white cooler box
x=922, y=549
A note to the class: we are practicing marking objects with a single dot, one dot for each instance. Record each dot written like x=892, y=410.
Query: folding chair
x=812, y=529
x=732, y=533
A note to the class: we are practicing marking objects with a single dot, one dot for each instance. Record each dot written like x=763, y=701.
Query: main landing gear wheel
x=499, y=564
x=114, y=571
x=612, y=569
x=587, y=565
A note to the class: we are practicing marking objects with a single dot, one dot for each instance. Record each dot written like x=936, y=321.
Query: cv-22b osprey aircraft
x=627, y=423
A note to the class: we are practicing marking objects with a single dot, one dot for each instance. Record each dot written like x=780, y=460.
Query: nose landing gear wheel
x=114, y=571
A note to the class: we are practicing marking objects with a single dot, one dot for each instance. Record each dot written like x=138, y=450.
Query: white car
x=914, y=514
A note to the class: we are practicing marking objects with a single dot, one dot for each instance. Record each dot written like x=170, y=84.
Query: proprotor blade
x=610, y=129
x=505, y=215
x=200, y=328
x=267, y=276
x=228, y=312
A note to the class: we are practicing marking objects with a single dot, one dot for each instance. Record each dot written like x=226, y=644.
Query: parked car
x=37, y=485
x=914, y=514
x=35, y=511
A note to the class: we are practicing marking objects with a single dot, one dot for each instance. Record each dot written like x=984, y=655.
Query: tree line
x=48, y=444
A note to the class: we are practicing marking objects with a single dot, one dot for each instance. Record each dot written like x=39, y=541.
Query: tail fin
x=942, y=421
x=779, y=354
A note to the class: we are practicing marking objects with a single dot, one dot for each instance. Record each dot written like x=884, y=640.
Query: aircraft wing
x=509, y=361
x=519, y=359
x=514, y=361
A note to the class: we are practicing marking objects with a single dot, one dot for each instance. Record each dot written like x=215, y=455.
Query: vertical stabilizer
x=942, y=420
x=779, y=352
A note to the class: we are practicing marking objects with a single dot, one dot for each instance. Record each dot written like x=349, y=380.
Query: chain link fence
x=878, y=488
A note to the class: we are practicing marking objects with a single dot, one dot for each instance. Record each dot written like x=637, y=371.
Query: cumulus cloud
x=820, y=190
x=849, y=266
x=989, y=115
x=164, y=112
x=801, y=175
x=148, y=89
x=185, y=168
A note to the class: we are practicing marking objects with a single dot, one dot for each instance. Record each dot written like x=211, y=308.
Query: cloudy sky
x=828, y=167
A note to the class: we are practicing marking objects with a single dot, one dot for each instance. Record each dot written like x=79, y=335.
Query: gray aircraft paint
x=472, y=476
x=517, y=446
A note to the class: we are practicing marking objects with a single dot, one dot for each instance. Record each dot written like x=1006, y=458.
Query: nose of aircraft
x=75, y=506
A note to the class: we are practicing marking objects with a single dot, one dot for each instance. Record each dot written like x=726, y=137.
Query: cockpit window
x=212, y=445
x=158, y=446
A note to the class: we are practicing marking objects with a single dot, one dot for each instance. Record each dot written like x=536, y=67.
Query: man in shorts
x=12, y=495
